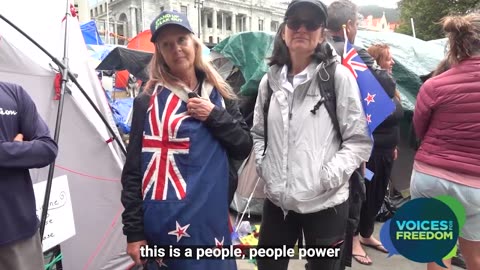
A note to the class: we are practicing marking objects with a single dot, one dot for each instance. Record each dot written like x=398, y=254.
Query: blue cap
x=168, y=18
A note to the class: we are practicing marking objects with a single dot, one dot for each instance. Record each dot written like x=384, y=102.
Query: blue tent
x=90, y=34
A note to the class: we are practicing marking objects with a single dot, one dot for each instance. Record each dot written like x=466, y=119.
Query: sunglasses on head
x=310, y=25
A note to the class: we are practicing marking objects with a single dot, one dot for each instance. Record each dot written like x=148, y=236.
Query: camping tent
x=92, y=166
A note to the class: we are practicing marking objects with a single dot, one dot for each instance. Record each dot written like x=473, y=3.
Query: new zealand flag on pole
x=185, y=183
x=376, y=103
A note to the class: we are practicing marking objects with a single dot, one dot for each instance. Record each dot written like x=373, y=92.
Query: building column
x=205, y=26
x=133, y=21
x=234, y=22
x=224, y=20
x=267, y=24
x=115, y=32
x=214, y=26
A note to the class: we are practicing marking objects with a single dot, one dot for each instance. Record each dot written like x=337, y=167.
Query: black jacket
x=226, y=125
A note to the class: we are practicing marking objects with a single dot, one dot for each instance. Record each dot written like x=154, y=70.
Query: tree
x=427, y=15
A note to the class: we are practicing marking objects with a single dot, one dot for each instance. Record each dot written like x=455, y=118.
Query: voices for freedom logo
x=425, y=230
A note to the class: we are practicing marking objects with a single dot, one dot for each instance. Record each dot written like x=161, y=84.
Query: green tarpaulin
x=248, y=51
x=413, y=57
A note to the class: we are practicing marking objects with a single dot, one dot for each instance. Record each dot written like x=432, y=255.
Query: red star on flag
x=370, y=98
x=219, y=244
x=369, y=118
x=180, y=231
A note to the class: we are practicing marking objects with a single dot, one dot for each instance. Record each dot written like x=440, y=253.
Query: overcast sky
x=382, y=3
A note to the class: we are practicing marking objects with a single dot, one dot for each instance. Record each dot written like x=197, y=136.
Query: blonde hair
x=463, y=34
x=379, y=52
x=160, y=72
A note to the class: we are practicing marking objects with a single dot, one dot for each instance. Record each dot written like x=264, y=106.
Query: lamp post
x=199, y=4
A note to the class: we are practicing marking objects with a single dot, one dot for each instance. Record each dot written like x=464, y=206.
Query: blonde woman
x=184, y=130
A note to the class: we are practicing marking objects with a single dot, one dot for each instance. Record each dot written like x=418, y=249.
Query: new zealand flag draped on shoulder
x=376, y=103
x=185, y=182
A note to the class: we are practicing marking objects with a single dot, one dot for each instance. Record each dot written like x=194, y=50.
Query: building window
x=91, y=13
x=210, y=39
x=274, y=26
x=162, y=8
x=219, y=21
x=260, y=25
x=183, y=9
x=101, y=9
x=228, y=23
x=209, y=22
x=218, y=40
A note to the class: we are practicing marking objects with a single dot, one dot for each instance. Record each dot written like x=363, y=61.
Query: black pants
x=380, y=163
x=323, y=228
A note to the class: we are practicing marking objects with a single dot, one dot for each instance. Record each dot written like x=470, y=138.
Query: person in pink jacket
x=447, y=121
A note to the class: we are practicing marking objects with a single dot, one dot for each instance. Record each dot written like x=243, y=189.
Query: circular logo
x=424, y=230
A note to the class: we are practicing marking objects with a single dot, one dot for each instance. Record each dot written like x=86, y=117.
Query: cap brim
x=157, y=32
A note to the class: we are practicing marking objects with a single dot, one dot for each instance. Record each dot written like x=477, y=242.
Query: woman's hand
x=199, y=108
x=395, y=153
x=133, y=250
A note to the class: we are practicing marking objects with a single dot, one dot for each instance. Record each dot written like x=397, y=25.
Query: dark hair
x=339, y=12
x=281, y=56
x=463, y=34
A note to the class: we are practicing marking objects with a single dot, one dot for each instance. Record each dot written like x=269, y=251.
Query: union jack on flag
x=376, y=103
x=163, y=143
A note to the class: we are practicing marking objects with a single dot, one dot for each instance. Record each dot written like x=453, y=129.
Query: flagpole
x=413, y=27
x=107, y=32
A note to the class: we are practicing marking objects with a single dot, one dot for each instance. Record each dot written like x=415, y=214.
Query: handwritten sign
x=59, y=225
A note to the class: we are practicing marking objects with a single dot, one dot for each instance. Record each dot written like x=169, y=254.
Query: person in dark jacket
x=25, y=143
x=340, y=13
x=185, y=127
x=446, y=121
x=386, y=138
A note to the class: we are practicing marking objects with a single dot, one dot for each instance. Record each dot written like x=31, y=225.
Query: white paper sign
x=59, y=225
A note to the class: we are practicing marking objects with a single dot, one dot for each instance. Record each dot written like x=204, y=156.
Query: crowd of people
x=309, y=135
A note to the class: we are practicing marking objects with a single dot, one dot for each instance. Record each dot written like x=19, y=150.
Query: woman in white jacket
x=307, y=164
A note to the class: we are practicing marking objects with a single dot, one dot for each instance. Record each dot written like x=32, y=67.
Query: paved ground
x=380, y=260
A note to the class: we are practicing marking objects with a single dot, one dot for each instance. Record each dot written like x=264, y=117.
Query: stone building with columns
x=212, y=20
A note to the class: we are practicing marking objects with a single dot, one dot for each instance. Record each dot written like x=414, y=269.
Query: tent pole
x=51, y=169
x=64, y=72
x=73, y=79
